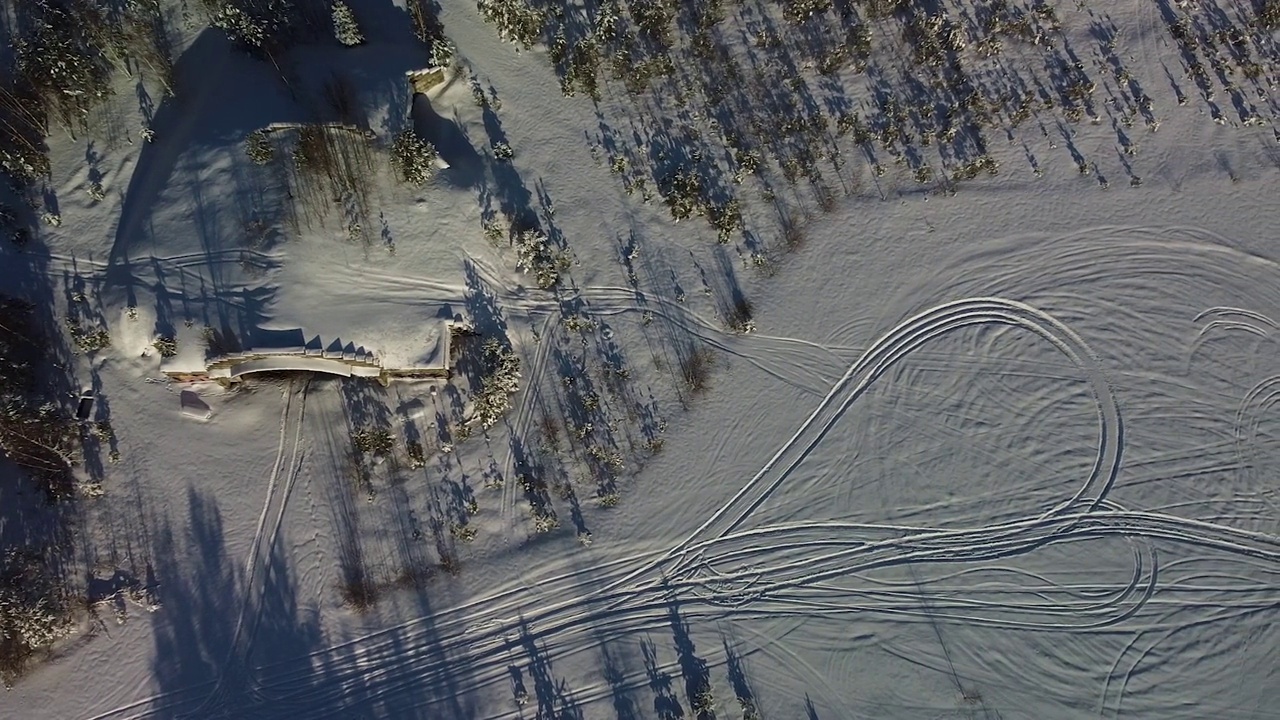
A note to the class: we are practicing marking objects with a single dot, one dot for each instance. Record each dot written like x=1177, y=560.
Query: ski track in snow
x=803, y=569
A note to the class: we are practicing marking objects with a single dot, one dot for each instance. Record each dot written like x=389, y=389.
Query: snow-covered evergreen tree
x=516, y=21
x=534, y=256
x=442, y=52
x=413, y=158
x=345, y=27
x=240, y=26
x=496, y=388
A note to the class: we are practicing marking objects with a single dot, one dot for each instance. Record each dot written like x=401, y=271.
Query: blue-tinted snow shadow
x=466, y=167
x=226, y=648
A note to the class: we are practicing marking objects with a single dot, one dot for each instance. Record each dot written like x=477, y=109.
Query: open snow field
x=1007, y=449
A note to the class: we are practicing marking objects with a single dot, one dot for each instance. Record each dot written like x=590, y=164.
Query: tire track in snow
x=788, y=569
x=295, y=468
x=240, y=642
x=1256, y=403
x=1219, y=319
x=524, y=418
x=891, y=348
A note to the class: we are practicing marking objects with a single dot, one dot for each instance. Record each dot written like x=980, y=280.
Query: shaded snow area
x=896, y=421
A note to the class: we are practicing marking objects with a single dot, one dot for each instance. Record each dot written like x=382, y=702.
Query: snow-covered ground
x=1004, y=452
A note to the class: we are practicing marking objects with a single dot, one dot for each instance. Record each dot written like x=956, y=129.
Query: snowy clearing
x=796, y=359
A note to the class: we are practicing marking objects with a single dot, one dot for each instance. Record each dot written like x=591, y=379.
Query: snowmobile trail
x=265, y=536
x=891, y=348
x=737, y=563
x=273, y=536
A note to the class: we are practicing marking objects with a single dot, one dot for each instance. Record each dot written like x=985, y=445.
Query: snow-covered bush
x=240, y=25
x=582, y=65
x=726, y=219
x=544, y=520
x=88, y=339
x=704, y=701
x=254, y=24
x=417, y=457
x=497, y=387
x=682, y=192
x=1269, y=14
x=33, y=611
x=748, y=162
x=881, y=9
x=413, y=158
x=654, y=18
x=257, y=145
x=345, y=27
x=166, y=346
x=798, y=11
x=577, y=323
x=493, y=232
x=374, y=441
x=534, y=256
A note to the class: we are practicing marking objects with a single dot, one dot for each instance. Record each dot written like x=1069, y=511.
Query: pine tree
x=413, y=158
x=345, y=27
x=497, y=387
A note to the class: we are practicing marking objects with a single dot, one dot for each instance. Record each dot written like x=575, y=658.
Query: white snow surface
x=1011, y=453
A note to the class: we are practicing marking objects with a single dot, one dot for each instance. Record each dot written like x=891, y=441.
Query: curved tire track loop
x=1260, y=398
x=879, y=358
x=1073, y=518
x=630, y=597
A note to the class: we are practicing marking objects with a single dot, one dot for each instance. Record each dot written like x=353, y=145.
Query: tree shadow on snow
x=226, y=648
x=223, y=95
x=466, y=167
x=193, y=181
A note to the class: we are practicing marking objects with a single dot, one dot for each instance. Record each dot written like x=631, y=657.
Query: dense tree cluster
x=516, y=21
x=33, y=611
x=35, y=433
x=39, y=437
x=63, y=57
